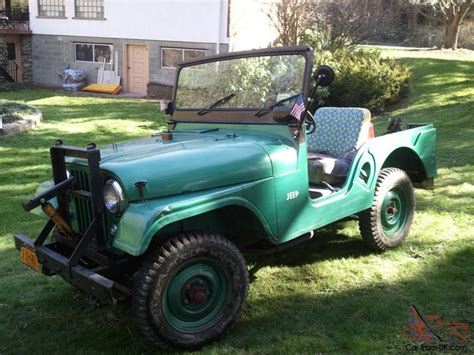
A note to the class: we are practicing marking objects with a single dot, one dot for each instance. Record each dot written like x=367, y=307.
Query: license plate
x=28, y=257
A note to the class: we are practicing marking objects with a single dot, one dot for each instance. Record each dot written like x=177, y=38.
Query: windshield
x=245, y=83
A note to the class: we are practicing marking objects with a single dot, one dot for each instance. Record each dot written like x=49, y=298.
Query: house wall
x=52, y=54
x=194, y=24
x=166, y=20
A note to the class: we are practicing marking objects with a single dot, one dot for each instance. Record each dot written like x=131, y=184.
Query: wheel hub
x=197, y=294
x=194, y=298
x=393, y=212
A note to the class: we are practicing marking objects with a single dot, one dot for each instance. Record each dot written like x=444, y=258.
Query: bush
x=13, y=111
x=364, y=78
x=9, y=87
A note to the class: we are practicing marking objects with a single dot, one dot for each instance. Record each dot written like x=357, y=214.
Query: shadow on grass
x=45, y=314
x=327, y=244
x=25, y=156
x=339, y=321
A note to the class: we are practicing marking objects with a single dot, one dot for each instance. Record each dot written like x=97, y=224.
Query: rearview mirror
x=170, y=108
x=324, y=75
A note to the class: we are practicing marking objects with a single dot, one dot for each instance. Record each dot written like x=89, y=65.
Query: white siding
x=169, y=20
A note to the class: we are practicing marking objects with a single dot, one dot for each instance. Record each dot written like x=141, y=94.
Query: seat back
x=339, y=130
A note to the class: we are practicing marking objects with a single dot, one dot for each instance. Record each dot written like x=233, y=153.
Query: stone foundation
x=52, y=54
x=3, y=45
x=2, y=42
x=24, y=55
x=26, y=58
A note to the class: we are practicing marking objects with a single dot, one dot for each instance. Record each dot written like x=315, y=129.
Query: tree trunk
x=412, y=14
x=451, y=34
x=454, y=12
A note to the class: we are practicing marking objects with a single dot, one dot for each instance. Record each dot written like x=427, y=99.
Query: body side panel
x=300, y=215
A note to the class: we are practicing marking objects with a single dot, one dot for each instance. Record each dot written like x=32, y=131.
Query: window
x=170, y=57
x=51, y=8
x=11, y=51
x=91, y=9
x=92, y=52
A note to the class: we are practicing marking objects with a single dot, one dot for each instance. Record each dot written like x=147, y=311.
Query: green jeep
x=249, y=164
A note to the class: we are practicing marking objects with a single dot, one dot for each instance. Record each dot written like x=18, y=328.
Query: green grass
x=339, y=299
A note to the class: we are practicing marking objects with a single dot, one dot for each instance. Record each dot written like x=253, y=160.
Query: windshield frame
x=240, y=115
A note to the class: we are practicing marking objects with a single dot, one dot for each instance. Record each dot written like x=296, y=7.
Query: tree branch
x=465, y=7
x=428, y=16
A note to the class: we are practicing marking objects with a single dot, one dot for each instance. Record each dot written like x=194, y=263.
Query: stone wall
x=26, y=58
x=25, y=52
x=52, y=54
x=3, y=45
x=3, y=42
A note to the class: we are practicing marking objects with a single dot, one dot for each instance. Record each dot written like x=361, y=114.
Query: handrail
x=9, y=66
x=15, y=19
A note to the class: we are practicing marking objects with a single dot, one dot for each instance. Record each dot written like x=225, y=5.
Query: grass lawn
x=340, y=299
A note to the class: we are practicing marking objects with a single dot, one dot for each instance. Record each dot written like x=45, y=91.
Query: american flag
x=162, y=105
x=298, y=108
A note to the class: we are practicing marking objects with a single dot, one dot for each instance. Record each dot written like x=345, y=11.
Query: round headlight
x=113, y=197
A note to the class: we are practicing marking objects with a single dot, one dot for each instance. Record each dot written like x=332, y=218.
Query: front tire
x=387, y=223
x=190, y=290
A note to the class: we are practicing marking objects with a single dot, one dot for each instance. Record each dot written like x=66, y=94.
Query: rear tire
x=387, y=223
x=190, y=290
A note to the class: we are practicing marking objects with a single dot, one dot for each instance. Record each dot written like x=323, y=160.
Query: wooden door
x=137, y=65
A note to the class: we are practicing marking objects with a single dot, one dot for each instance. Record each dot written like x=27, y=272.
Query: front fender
x=141, y=221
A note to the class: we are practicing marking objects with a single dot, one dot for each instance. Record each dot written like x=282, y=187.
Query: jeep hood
x=190, y=162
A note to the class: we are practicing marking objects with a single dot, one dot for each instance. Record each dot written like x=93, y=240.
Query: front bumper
x=81, y=258
x=89, y=280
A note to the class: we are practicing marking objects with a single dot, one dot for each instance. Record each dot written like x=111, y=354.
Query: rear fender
x=413, y=150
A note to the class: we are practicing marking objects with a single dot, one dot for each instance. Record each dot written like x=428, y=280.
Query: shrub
x=364, y=78
x=8, y=87
x=12, y=111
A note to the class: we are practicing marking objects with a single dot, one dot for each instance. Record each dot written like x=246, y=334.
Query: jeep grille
x=84, y=207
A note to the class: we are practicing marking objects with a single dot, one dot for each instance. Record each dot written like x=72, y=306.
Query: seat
x=339, y=132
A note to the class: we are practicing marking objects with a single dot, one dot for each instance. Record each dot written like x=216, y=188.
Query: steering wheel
x=310, y=123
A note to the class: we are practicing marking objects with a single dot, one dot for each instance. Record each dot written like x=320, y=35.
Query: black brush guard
x=54, y=258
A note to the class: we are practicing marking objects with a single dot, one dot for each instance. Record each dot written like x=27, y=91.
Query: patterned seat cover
x=339, y=130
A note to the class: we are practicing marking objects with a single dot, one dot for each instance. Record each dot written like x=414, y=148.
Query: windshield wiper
x=265, y=110
x=215, y=104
